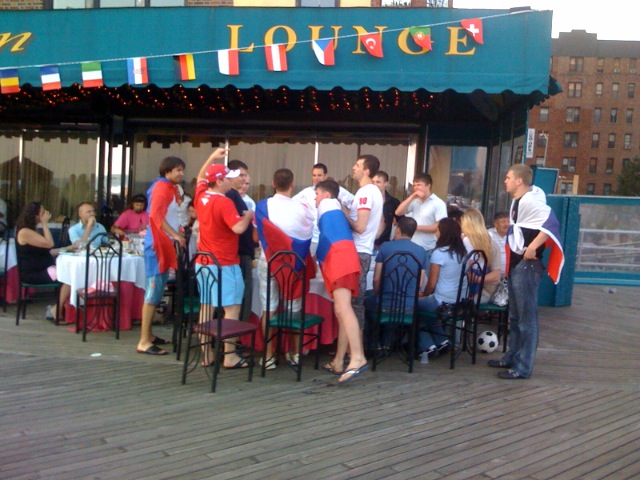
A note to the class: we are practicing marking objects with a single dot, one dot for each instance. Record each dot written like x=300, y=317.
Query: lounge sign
x=434, y=49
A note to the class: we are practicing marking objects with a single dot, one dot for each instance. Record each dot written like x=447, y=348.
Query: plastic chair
x=183, y=304
x=101, y=292
x=460, y=319
x=207, y=323
x=27, y=290
x=287, y=270
x=396, y=316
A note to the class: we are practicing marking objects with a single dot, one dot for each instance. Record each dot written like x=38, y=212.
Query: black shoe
x=443, y=348
x=510, y=375
x=498, y=364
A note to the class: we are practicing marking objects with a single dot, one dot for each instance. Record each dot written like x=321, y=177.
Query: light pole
x=545, y=135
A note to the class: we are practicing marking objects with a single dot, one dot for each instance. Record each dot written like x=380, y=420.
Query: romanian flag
x=336, y=252
x=229, y=62
x=185, y=67
x=92, y=75
x=9, y=80
x=159, y=252
x=50, y=76
x=137, y=71
x=324, y=50
x=474, y=27
x=422, y=36
x=373, y=43
x=276, y=56
x=273, y=240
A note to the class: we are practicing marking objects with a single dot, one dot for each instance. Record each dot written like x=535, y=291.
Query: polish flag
x=276, y=57
x=228, y=62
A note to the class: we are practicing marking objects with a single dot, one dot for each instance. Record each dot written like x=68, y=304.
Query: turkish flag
x=474, y=27
x=372, y=43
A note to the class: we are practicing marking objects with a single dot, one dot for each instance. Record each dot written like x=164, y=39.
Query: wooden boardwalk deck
x=67, y=415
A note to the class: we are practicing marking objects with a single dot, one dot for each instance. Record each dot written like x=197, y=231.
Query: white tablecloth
x=12, y=254
x=71, y=271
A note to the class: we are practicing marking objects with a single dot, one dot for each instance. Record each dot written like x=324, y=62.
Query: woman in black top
x=35, y=250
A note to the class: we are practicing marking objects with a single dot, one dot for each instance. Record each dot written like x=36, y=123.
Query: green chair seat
x=294, y=321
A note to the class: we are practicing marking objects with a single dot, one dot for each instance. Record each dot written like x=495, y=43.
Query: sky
x=610, y=19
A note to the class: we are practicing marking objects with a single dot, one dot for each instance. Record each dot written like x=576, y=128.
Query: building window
x=566, y=187
x=575, y=89
x=606, y=189
x=632, y=65
x=591, y=188
x=65, y=4
x=616, y=65
x=321, y=3
x=608, y=169
x=597, y=115
x=593, y=165
x=629, y=115
x=613, y=116
x=544, y=114
x=575, y=64
x=611, y=143
x=569, y=165
x=541, y=140
x=631, y=90
x=627, y=141
x=615, y=90
x=599, y=87
x=600, y=65
x=626, y=162
x=595, y=140
x=573, y=114
x=571, y=140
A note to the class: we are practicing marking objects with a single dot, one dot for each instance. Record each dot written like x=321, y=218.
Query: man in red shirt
x=220, y=227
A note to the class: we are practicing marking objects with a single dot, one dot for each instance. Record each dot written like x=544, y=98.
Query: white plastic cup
x=424, y=358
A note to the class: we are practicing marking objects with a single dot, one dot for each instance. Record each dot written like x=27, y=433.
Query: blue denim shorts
x=154, y=288
x=232, y=285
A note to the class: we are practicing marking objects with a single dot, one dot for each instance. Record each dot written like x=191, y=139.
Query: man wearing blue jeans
x=533, y=227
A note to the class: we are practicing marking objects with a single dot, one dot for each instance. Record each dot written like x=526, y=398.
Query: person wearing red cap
x=220, y=227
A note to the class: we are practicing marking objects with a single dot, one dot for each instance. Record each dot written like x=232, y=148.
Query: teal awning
x=514, y=55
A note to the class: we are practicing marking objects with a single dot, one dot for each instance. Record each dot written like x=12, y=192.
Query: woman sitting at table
x=133, y=219
x=442, y=285
x=36, y=253
x=477, y=237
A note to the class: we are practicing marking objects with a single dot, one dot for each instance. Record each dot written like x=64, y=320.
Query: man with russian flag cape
x=159, y=253
x=533, y=227
x=340, y=266
x=283, y=224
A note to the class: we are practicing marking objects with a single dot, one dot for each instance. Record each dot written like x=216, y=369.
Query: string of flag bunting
x=229, y=59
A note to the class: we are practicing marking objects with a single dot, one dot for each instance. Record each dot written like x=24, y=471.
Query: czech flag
x=324, y=50
x=474, y=27
x=9, y=80
x=50, y=77
x=137, y=71
x=228, y=62
x=276, y=56
x=336, y=252
x=274, y=240
x=91, y=75
x=185, y=67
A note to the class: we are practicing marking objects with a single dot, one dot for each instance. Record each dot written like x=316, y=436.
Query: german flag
x=185, y=67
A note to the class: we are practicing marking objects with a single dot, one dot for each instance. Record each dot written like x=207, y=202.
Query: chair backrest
x=64, y=233
x=6, y=237
x=399, y=287
x=205, y=283
x=286, y=271
x=474, y=269
x=104, y=265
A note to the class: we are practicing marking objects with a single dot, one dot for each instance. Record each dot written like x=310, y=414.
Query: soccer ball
x=487, y=341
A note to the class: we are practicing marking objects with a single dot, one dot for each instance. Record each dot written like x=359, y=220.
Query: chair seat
x=40, y=285
x=294, y=321
x=490, y=307
x=404, y=320
x=229, y=328
x=191, y=305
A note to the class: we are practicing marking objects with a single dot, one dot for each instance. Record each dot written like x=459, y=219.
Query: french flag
x=274, y=240
x=137, y=71
x=276, y=57
x=50, y=76
x=336, y=252
x=323, y=48
x=228, y=62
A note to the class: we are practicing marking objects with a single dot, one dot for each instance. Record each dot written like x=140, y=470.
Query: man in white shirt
x=427, y=209
x=308, y=197
x=499, y=235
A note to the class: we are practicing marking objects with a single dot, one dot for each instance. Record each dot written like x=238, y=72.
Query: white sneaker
x=270, y=364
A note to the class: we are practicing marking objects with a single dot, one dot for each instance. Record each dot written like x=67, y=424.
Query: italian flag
x=92, y=75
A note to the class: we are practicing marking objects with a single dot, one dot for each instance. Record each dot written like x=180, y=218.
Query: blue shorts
x=154, y=288
x=232, y=285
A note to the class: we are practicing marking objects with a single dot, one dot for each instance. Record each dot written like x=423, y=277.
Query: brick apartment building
x=593, y=126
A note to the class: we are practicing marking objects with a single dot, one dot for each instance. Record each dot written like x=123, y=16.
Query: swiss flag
x=474, y=27
x=373, y=43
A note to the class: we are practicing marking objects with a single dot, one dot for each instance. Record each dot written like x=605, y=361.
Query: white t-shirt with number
x=369, y=198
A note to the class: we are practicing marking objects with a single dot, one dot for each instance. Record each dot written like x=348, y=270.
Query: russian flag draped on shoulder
x=159, y=253
x=273, y=240
x=534, y=213
x=336, y=252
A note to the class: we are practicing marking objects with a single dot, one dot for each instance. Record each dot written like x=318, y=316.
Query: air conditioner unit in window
x=572, y=169
x=632, y=70
x=616, y=70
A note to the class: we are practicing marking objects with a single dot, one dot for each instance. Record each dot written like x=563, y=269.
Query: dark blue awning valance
x=514, y=55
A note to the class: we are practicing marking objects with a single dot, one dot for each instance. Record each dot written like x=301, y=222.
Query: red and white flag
x=276, y=57
x=474, y=27
x=373, y=43
x=228, y=62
